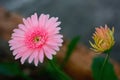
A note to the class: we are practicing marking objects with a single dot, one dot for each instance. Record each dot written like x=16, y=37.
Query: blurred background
x=78, y=17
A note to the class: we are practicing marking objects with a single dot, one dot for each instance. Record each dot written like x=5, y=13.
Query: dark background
x=78, y=17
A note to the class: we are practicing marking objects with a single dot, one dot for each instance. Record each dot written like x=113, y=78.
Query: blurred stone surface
x=79, y=65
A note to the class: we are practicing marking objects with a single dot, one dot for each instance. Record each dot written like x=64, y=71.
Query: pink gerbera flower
x=36, y=38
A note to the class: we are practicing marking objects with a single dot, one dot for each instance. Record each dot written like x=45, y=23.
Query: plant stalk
x=57, y=69
x=103, y=65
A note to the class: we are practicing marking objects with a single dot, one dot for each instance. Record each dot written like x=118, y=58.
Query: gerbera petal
x=47, y=54
x=56, y=24
x=20, y=54
x=34, y=20
x=36, y=58
x=15, y=52
x=41, y=56
x=33, y=55
x=27, y=25
x=51, y=22
x=42, y=20
x=54, y=31
x=20, y=50
x=17, y=46
x=17, y=35
x=54, y=47
x=56, y=36
x=52, y=43
x=26, y=55
x=50, y=50
x=22, y=27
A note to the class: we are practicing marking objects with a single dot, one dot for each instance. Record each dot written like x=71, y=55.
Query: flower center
x=37, y=39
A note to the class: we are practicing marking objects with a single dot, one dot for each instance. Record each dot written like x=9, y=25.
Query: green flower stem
x=57, y=69
x=103, y=65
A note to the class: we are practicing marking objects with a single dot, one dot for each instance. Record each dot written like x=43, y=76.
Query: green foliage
x=108, y=71
x=9, y=69
x=70, y=49
x=12, y=69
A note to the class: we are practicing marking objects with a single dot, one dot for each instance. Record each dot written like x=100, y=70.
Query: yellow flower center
x=37, y=39
x=104, y=45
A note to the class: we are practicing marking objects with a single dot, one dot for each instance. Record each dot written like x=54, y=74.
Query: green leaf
x=108, y=72
x=9, y=69
x=70, y=49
